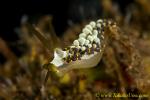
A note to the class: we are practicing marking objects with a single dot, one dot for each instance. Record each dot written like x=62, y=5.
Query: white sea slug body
x=76, y=43
x=81, y=41
x=86, y=31
x=86, y=51
x=82, y=35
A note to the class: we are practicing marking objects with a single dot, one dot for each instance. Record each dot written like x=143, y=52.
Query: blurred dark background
x=11, y=13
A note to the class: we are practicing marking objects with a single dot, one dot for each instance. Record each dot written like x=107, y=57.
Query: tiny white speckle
x=94, y=45
x=102, y=36
x=86, y=42
x=104, y=24
x=83, y=48
x=109, y=22
x=69, y=54
x=78, y=47
x=93, y=24
x=97, y=40
x=86, y=31
x=95, y=32
x=100, y=50
x=100, y=21
x=89, y=45
x=82, y=35
x=89, y=27
x=90, y=38
x=72, y=46
x=114, y=26
x=94, y=36
x=81, y=41
x=98, y=25
x=76, y=43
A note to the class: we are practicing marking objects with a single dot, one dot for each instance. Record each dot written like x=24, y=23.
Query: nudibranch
x=86, y=51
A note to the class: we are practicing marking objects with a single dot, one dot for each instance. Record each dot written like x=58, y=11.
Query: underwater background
x=23, y=54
